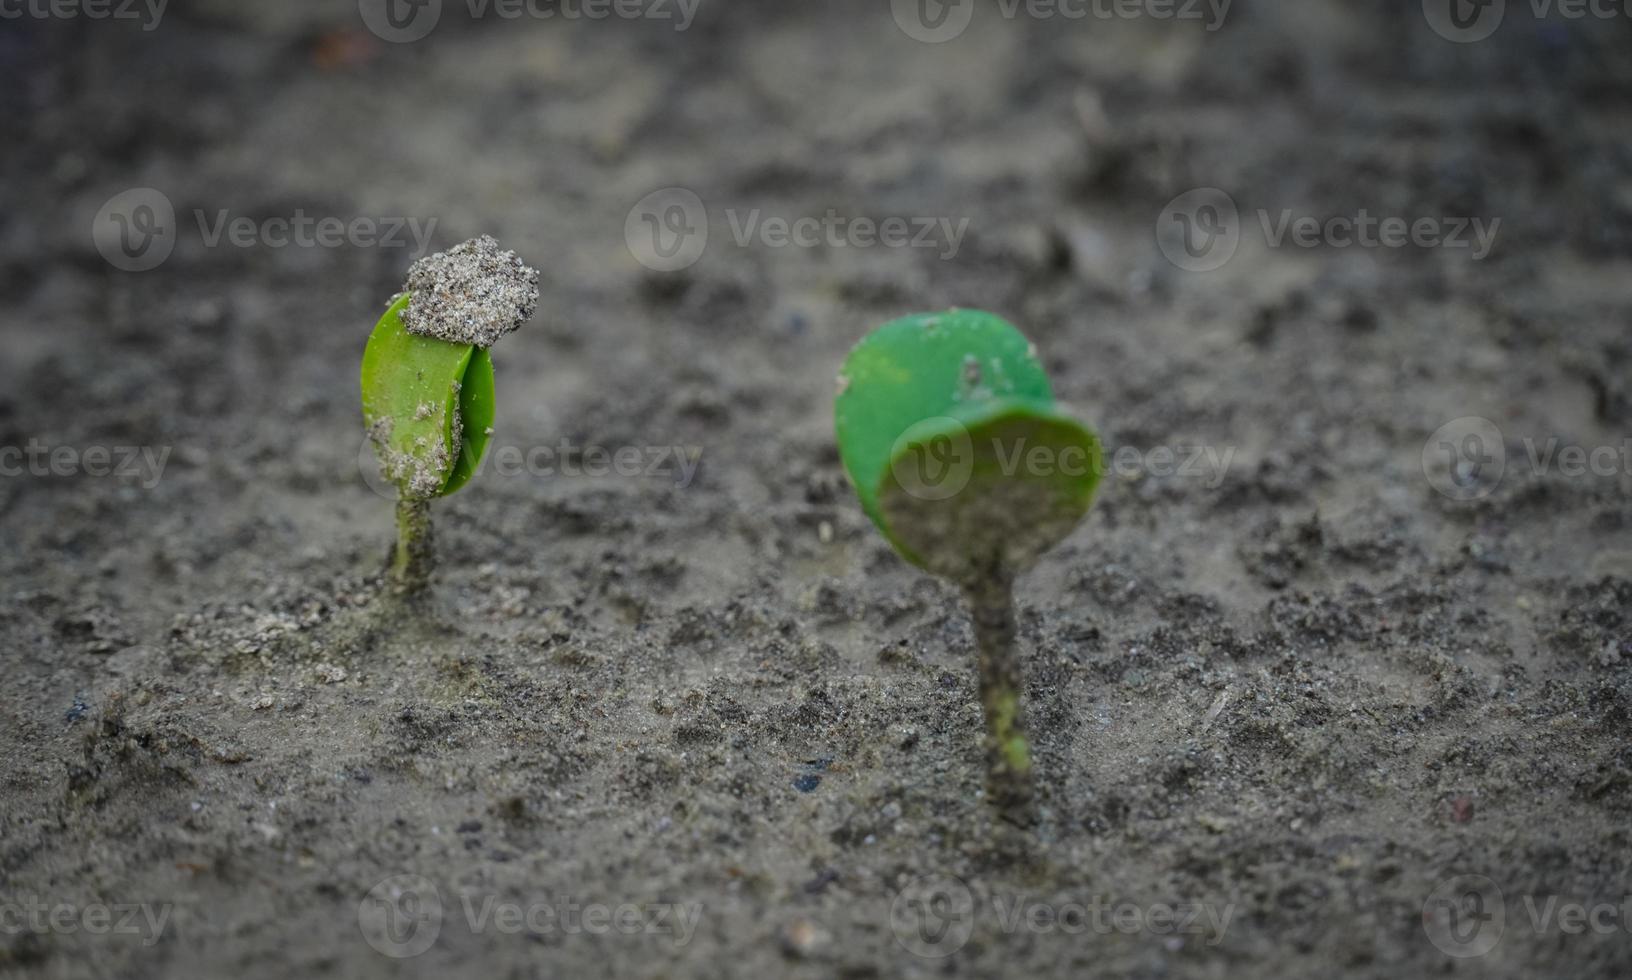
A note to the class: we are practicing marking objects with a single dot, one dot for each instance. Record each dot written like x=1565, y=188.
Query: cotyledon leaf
x=477, y=404
x=427, y=404
x=947, y=427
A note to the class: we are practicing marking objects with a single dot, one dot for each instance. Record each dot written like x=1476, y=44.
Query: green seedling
x=948, y=430
x=427, y=384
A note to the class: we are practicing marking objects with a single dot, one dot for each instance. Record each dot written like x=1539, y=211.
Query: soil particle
x=473, y=293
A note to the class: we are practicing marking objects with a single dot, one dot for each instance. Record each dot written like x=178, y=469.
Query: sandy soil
x=1295, y=696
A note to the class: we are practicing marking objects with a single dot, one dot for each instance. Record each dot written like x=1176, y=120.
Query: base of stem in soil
x=413, y=556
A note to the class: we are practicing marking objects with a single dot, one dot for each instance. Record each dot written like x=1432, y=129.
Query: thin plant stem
x=1008, y=753
x=413, y=557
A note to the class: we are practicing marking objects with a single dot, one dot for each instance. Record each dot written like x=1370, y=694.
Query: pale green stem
x=413, y=557
x=1008, y=753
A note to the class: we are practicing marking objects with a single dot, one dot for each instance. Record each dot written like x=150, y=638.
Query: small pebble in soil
x=800, y=938
x=811, y=778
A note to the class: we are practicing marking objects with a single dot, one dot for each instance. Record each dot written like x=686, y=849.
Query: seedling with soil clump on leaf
x=948, y=430
x=427, y=380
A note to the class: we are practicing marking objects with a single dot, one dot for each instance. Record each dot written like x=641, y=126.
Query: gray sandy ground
x=1308, y=690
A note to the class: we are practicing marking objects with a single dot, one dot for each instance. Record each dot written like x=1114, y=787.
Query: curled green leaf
x=428, y=405
x=947, y=427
